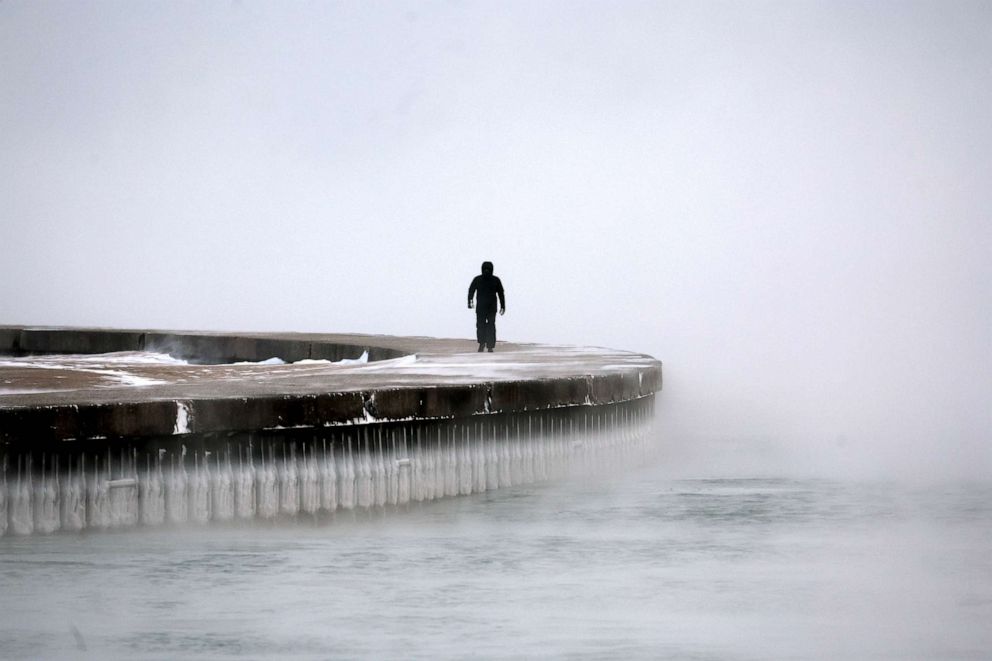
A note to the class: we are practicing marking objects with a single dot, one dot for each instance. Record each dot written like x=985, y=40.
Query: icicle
x=98, y=503
x=464, y=464
x=363, y=473
x=537, y=448
x=404, y=471
x=528, y=453
x=392, y=470
x=347, y=478
x=435, y=469
x=150, y=495
x=46, y=514
x=177, y=489
x=116, y=495
x=199, y=492
x=21, y=516
x=505, y=458
x=478, y=444
x=428, y=444
x=127, y=512
x=289, y=483
x=267, y=487
x=328, y=480
x=222, y=490
x=559, y=458
x=450, y=463
x=418, y=472
x=3, y=495
x=379, y=476
x=492, y=460
x=309, y=483
x=245, y=504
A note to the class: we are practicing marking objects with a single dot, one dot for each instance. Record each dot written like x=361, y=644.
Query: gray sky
x=787, y=203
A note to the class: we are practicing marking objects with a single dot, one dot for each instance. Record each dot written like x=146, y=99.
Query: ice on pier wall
x=152, y=495
x=365, y=467
x=46, y=505
x=176, y=484
x=72, y=498
x=3, y=496
x=267, y=497
x=328, y=480
x=199, y=492
x=289, y=486
x=21, y=517
x=244, y=486
x=222, y=490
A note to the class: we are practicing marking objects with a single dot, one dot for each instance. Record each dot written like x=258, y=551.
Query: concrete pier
x=94, y=434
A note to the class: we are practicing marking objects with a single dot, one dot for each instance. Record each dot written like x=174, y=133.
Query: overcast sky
x=786, y=203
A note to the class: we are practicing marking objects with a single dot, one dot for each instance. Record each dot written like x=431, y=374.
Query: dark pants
x=485, y=325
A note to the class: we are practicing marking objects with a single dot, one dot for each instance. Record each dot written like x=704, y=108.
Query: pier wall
x=214, y=441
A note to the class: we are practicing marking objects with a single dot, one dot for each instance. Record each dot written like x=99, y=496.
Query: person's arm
x=471, y=290
x=502, y=296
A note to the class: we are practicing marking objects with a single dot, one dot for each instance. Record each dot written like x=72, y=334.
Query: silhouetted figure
x=486, y=288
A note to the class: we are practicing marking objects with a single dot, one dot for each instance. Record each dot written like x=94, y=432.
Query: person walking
x=485, y=289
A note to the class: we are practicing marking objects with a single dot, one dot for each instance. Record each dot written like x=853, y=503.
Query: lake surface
x=644, y=565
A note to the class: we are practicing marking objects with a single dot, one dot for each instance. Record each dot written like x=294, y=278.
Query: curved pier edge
x=447, y=380
x=82, y=447
x=317, y=474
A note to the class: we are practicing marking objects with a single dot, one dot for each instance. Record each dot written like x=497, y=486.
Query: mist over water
x=786, y=203
x=638, y=566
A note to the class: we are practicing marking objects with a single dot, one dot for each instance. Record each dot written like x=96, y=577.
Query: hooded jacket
x=488, y=287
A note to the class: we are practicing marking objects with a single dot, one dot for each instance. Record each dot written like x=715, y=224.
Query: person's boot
x=480, y=349
x=490, y=349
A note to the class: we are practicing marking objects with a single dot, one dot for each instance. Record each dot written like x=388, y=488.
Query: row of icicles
x=375, y=468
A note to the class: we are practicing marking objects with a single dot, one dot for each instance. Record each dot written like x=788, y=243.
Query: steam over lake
x=640, y=566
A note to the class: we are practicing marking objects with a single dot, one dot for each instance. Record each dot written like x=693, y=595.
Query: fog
x=786, y=203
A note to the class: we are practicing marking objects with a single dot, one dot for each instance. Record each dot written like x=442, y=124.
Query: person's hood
x=487, y=268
